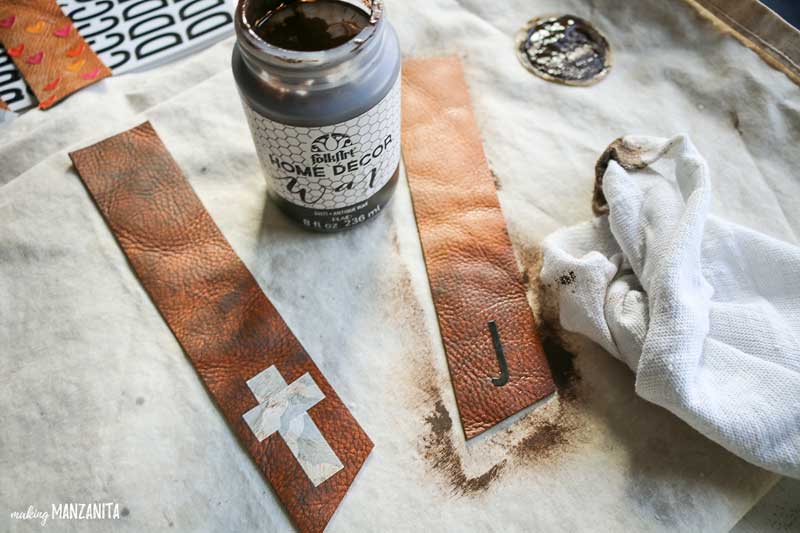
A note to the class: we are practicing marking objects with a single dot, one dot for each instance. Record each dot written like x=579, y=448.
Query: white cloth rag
x=704, y=311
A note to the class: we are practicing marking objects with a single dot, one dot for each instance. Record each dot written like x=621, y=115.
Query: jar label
x=334, y=166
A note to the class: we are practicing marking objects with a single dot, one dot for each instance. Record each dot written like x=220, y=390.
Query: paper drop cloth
x=100, y=404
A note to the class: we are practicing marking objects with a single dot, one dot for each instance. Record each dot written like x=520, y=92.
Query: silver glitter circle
x=564, y=49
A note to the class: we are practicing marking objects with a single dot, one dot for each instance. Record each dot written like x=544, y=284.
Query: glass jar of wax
x=320, y=85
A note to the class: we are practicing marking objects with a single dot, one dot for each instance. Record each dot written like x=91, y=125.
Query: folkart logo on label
x=331, y=167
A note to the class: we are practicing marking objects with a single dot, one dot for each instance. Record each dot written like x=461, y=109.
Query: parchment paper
x=100, y=404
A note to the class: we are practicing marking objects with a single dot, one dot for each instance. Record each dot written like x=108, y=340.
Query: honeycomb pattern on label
x=330, y=167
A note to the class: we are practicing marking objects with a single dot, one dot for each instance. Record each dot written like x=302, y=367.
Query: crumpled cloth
x=705, y=312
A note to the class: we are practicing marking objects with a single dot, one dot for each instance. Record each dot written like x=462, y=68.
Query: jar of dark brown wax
x=320, y=85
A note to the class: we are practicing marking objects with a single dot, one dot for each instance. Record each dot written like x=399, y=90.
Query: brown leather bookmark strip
x=284, y=411
x=497, y=366
x=49, y=53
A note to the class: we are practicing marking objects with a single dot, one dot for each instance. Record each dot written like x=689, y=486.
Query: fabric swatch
x=130, y=36
x=43, y=44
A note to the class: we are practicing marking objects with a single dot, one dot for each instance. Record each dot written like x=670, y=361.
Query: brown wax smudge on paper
x=534, y=439
x=438, y=446
x=47, y=49
x=441, y=453
x=538, y=438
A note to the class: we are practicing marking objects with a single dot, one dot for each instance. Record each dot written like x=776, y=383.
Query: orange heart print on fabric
x=50, y=54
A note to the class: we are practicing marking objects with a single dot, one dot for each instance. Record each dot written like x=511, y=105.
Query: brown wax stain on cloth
x=628, y=157
x=567, y=279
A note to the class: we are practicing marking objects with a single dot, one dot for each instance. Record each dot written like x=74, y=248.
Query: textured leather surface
x=226, y=325
x=49, y=53
x=474, y=277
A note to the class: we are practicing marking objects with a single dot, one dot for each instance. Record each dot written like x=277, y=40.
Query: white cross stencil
x=284, y=408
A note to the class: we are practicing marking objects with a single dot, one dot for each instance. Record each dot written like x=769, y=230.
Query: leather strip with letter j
x=47, y=49
x=497, y=365
x=276, y=400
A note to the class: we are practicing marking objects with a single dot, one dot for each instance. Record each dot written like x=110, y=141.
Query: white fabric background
x=100, y=404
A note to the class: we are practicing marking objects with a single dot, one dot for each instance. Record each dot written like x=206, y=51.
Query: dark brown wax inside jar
x=310, y=26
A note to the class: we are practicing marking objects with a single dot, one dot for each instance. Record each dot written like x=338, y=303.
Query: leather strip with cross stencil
x=276, y=400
